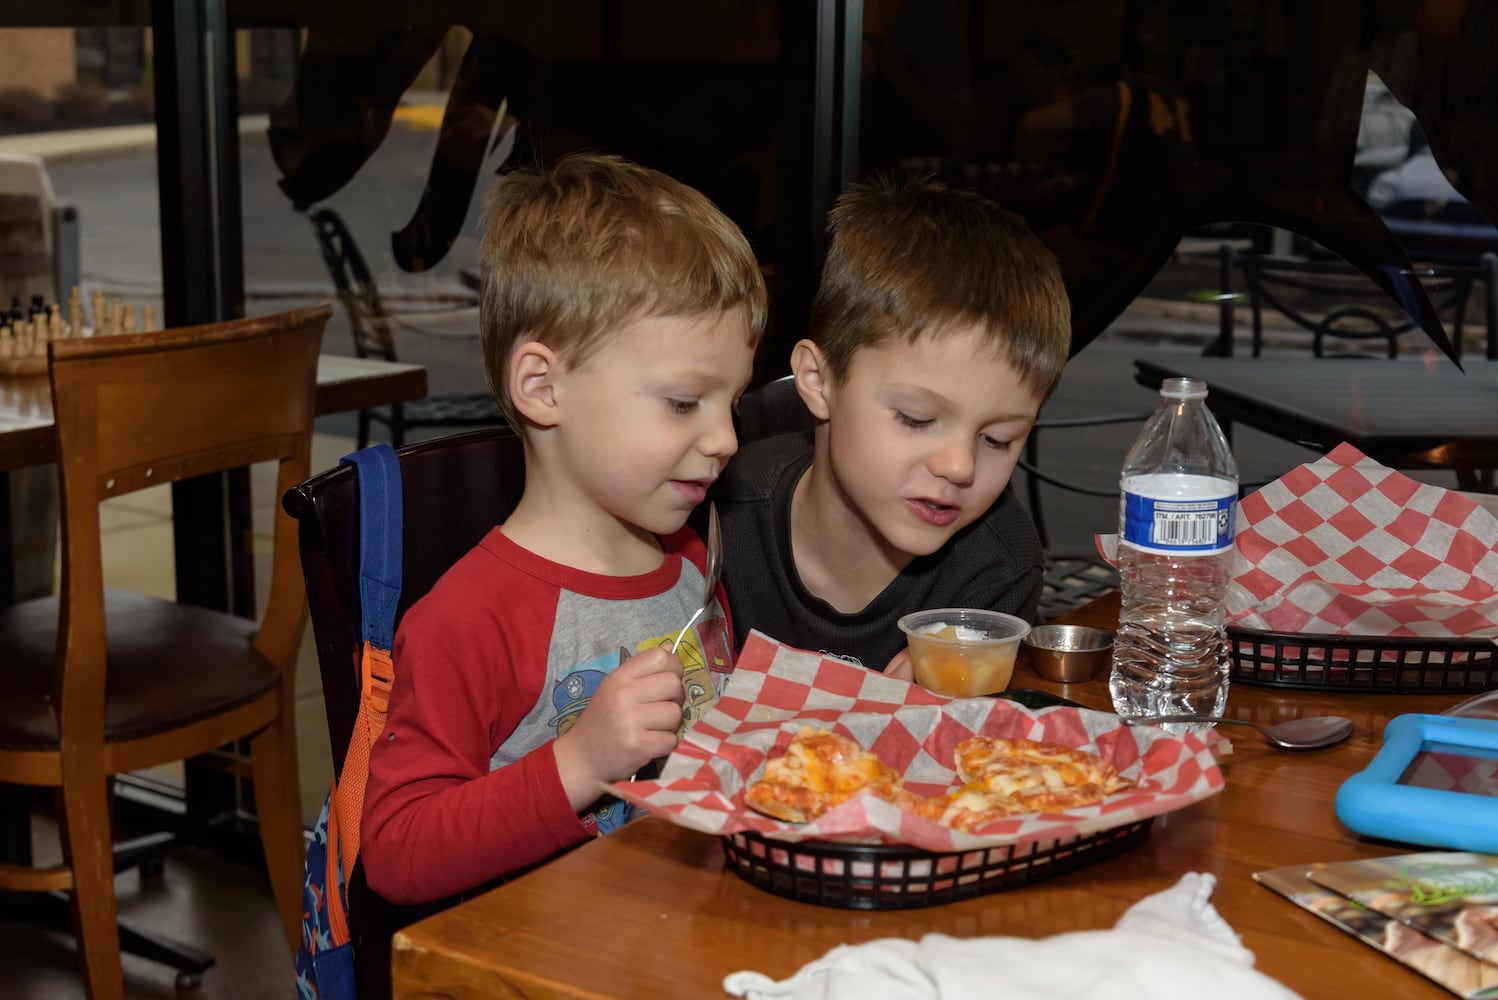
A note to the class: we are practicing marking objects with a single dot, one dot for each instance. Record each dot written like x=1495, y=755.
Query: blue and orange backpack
x=325, y=956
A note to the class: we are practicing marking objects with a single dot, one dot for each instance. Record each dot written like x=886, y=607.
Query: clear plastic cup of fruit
x=963, y=652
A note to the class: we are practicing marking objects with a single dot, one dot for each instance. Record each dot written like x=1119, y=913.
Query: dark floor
x=219, y=906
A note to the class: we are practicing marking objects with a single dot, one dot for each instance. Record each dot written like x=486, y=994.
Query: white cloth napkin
x=1173, y=943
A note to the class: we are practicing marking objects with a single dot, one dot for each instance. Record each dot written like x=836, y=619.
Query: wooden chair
x=454, y=489
x=373, y=338
x=98, y=682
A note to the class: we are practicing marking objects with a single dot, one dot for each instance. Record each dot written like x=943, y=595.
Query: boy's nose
x=954, y=462
x=720, y=439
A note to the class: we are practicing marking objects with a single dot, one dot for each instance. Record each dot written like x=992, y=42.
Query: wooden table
x=343, y=384
x=649, y=912
x=1407, y=413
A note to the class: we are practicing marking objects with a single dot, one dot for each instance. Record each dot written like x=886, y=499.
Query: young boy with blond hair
x=619, y=315
x=940, y=326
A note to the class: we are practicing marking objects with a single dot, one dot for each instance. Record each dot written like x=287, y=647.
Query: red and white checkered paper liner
x=1346, y=546
x=775, y=690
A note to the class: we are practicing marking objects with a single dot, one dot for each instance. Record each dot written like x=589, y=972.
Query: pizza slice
x=818, y=771
x=972, y=806
x=1038, y=776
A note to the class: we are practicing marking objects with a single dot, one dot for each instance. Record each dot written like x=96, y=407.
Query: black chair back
x=773, y=408
x=356, y=286
x=454, y=489
x=373, y=330
x=1339, y=305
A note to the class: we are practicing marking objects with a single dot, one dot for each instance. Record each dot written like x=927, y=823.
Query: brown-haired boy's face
x=923, y=436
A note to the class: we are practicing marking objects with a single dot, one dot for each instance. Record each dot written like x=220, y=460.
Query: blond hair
x=571, y=253
x=921, y=258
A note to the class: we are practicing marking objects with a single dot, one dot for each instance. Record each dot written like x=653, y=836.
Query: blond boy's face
x=922, y=437
x=648, y=419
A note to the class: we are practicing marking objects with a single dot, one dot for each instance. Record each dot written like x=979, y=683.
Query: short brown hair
x=572, y=252
x=919, y=257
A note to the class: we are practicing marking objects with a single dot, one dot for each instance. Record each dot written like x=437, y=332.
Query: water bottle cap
x=1183, y=388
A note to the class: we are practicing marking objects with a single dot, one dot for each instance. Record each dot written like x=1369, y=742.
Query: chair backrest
x=137, y=410
x=1336, y=303
x=773, y=408
x=368, y=320
x=453, y=491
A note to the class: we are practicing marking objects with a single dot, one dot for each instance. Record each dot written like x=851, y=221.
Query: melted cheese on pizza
x=1001, y=778
x=819, y=770
x=973, y=806
x=1040, y=775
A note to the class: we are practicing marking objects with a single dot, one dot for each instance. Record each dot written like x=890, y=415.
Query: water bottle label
x=1196, y=525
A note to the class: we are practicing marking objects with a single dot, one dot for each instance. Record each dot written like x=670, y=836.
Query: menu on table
x=1436, y=912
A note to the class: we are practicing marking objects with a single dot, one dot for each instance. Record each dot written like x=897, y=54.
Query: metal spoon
x=1311, y=733
x=714, y=570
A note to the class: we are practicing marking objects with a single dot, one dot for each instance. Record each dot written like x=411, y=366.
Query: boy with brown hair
x=619, y=313
x=940, y=326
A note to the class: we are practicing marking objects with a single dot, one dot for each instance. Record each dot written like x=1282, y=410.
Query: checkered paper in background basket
x=1346, y=546
x=775, y=690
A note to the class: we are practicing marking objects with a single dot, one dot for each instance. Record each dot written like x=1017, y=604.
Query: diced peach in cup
x=963, y=653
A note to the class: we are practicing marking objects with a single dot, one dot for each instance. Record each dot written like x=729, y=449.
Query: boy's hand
x=900, y=668
x=631, y=719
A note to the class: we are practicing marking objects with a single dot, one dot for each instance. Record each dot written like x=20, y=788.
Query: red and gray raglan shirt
x=491, y=666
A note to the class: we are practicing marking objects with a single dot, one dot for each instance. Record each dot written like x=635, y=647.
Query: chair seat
x=453, y=411
x=169, y=665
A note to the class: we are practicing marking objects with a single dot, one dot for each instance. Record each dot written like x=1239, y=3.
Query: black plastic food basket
x=1363, y=663
x=894, y=877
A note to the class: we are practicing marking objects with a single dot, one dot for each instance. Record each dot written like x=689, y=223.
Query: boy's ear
x=532, y=375
x=812, y=378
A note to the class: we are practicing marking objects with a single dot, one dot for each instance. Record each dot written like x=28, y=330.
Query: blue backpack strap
x=380, y=520
x=325, y=955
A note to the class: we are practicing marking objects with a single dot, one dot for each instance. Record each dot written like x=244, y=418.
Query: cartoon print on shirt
x=570, y=697
x=706, y=655
x=706, y=661
x=575, y=690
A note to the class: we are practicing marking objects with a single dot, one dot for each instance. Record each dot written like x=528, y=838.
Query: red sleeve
x=468, y=666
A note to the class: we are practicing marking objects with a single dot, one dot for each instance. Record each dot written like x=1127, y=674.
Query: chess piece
x=96, y=310
x=115, y=308
x=128, y=323
x=75, y=312
x=7, y=344
x=56, y=330
x=148, y=319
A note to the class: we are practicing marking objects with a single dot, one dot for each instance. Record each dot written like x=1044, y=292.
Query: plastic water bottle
x=1179, y=488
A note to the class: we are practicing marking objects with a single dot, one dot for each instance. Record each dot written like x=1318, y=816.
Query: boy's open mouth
x=934, y=511
x=694, y=490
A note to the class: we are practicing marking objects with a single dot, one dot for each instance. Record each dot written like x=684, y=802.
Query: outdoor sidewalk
x=58, y=145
